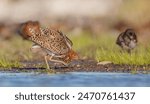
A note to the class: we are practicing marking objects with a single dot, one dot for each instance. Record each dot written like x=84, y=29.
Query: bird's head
x=131, y=34
x=72, y=55
x=29, y=28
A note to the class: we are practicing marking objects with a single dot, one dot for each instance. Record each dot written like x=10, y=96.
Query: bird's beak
x=76, y=56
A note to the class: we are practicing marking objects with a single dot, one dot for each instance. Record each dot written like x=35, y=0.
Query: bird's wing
x=48, y=31
x=51, y=40
x=68, y=41
x=120, y=39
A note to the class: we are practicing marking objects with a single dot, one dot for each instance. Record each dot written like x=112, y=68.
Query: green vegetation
x=139, y=57
x=100, y=48
x=103, y=48
x=13, y=51
x=4, y=63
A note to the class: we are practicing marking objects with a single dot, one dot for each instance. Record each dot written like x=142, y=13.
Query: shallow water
x=74, y=79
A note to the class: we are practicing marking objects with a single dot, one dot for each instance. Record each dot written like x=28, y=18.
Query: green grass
x=140, y=57
x=100, y=48
x=13, y=51
x=4, y=63
x=103, y=48
x=109, y=51
x=84, y=44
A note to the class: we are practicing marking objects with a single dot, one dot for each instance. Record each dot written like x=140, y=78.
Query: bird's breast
x=132, y=44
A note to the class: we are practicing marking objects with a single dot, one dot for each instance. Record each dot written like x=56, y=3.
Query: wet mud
x=80, y=66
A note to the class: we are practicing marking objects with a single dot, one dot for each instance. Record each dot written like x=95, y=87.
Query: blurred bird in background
x=7, y=31
x=51, y=43
x=127, y=40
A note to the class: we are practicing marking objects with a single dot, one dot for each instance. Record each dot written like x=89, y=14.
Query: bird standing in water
x=49, y=42
x=127, y=40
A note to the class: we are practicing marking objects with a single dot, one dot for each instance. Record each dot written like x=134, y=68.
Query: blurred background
x=73, y=17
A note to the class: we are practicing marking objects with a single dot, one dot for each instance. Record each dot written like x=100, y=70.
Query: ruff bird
x=51, y=43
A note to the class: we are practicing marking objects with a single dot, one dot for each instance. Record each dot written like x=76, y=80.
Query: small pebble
x=104, y=63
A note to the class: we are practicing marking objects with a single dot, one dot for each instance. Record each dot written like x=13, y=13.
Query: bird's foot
x=50, y=70
x=65, y=64
x=62, y=64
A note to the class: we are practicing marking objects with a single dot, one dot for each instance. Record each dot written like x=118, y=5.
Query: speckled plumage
x=52, y=42
x=127, y=40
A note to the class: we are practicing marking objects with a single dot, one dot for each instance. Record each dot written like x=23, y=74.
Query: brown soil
x=82, y=66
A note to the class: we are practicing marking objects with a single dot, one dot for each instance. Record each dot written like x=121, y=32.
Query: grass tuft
x=4, y=63
x=104, y=48
x=113, y=53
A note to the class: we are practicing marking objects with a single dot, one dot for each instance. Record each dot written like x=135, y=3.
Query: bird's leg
x=50, y=58
x=60, y=56
x=45, y=57
x=129, y=51
x=59, y=62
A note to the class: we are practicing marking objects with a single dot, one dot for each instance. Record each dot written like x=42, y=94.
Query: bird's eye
x=130, y=33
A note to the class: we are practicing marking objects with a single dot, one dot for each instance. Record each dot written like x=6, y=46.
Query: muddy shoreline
x=80, y=66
